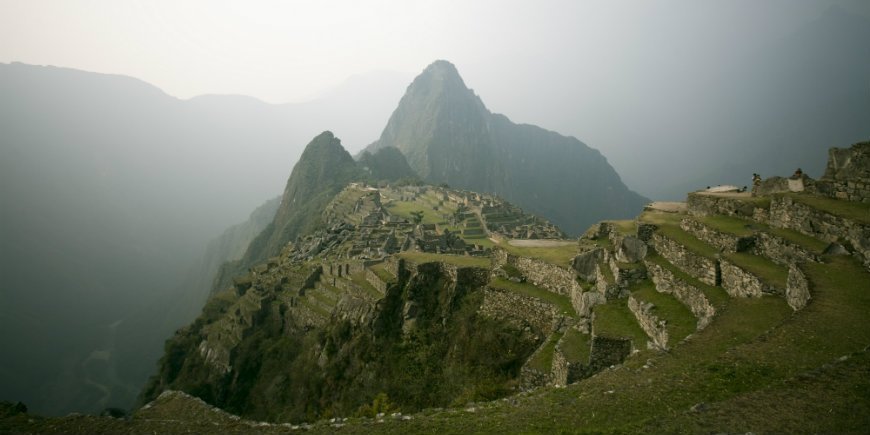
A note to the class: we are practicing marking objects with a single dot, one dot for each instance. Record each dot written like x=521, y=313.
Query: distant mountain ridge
x=449, y=136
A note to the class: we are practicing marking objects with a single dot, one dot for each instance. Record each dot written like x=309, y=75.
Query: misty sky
x=599, y=71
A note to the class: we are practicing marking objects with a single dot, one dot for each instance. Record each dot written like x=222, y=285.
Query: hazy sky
x=599, y=71
x=281, y=51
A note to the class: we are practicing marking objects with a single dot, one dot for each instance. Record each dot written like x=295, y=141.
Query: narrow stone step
x=747, y=275
x=664, y=319
x=701, y=299
x=689, y=254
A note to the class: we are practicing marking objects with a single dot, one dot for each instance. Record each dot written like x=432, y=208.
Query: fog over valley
x=159, y=160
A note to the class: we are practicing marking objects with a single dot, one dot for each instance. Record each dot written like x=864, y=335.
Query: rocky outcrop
x=586, y=264
x=847, y=175
x=631, y=250
x=797, y=291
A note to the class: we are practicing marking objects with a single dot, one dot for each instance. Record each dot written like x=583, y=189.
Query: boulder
x=631, y=250
x=586, y=264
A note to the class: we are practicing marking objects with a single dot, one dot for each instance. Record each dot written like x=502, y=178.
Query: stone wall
x=782, y=251
x=787, y=213
x=584, y=301
x=520, y=310
x=645, y=231
x=654, y=327
x=376, y=281
x=702, y=268
x=556, y=279
x=691, y=296
x=741, y=283
x=701, y=204
x=606, y=352
x=627, y=274
x=847, y=175
x=723, y=241
x=797, y=291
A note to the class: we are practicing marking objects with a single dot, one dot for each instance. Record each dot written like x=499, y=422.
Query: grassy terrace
x=575, y=346
x=627, y=227
x=382, y=273
x=677, y=234
x=608, y=274
x=456, y=260
x=810, y=243
x=403, y=209
x=359, y=279
x=558, y=255
x=543, y=360
x=562, y=303
x=327, y=299
x=717, y=296
x=729, y=224
x=615, y=320
x=854, y=211
x=741, y=227
x=761, y=267
x=313, y=306
x=681, y=321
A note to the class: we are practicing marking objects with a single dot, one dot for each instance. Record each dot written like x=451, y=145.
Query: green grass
x=715, y=295
x=575, y=346
x=311, y=305
x=854, y=211
x=543, y=360
x=404, y=209
x=615, y=320
x=608, y=274
x=728, y=224
x=382, y=273
x=809, y=243
x=627, y=227
x=661, y=218
x=761, y=267
x=483, y=241
x=359, y=279
x=558, y=255
x=562, y=303
x=689, y=241
x=456, y=260
x=322, y=297
x=681, y=321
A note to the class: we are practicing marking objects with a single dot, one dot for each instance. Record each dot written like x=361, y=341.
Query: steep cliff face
x=324, y=168
x=449, y=136
x=387, y=163
x=280, y=351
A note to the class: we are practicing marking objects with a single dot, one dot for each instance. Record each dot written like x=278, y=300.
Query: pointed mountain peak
x=439, y=76
x=323, y=145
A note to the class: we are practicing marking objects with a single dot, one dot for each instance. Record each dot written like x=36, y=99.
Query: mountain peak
x=440, y=76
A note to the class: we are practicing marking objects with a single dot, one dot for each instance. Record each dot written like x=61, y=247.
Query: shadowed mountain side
x=449, y=136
